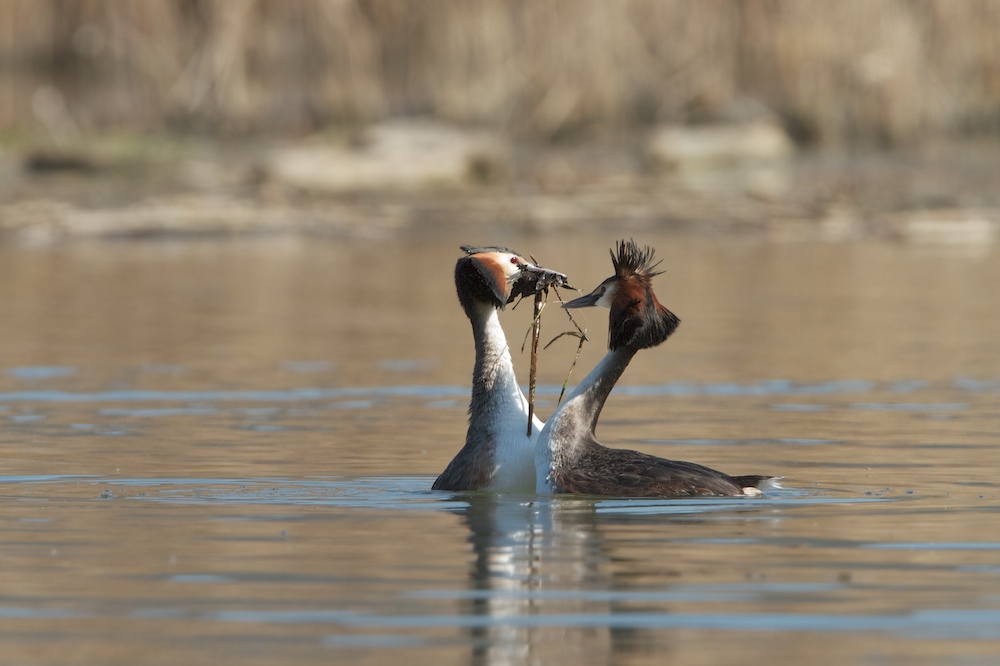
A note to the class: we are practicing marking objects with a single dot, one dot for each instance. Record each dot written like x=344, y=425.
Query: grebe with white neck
x=498, y=455
x=569, y=459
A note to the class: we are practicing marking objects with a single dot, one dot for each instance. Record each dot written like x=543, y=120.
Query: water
x=222, y=452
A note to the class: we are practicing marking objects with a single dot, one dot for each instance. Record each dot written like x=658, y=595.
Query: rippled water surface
x=222, y=453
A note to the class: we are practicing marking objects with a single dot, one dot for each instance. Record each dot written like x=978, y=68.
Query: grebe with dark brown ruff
x=498, y=455
x=568, y=457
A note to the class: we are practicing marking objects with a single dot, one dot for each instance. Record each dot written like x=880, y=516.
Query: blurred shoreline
x=789, y=119
x=137, y=187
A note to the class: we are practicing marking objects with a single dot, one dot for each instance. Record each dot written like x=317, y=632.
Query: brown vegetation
x=891, y=71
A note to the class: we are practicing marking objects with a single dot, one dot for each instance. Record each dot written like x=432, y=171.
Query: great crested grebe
x=498, y=454
x=569, y=459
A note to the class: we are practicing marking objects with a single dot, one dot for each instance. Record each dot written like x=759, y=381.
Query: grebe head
x=638, y=320
x=496, y=276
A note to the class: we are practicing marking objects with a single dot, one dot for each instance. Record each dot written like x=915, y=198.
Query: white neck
x=572, y=426
x=498, y=414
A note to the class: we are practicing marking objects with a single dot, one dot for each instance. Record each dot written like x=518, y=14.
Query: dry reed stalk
x=536, y=330
x=851, y=70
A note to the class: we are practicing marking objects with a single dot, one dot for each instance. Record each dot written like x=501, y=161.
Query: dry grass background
x=883, y=71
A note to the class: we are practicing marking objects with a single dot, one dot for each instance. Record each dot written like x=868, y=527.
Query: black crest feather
x=629, y=259
x=475, y=249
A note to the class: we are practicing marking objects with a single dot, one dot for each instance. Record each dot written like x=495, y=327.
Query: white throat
x=500, y=411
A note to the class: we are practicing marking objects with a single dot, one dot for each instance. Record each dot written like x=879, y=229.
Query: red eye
x=513, y=260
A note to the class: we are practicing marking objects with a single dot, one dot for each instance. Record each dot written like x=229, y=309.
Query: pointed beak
x=588, y=301
x=533, y=279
